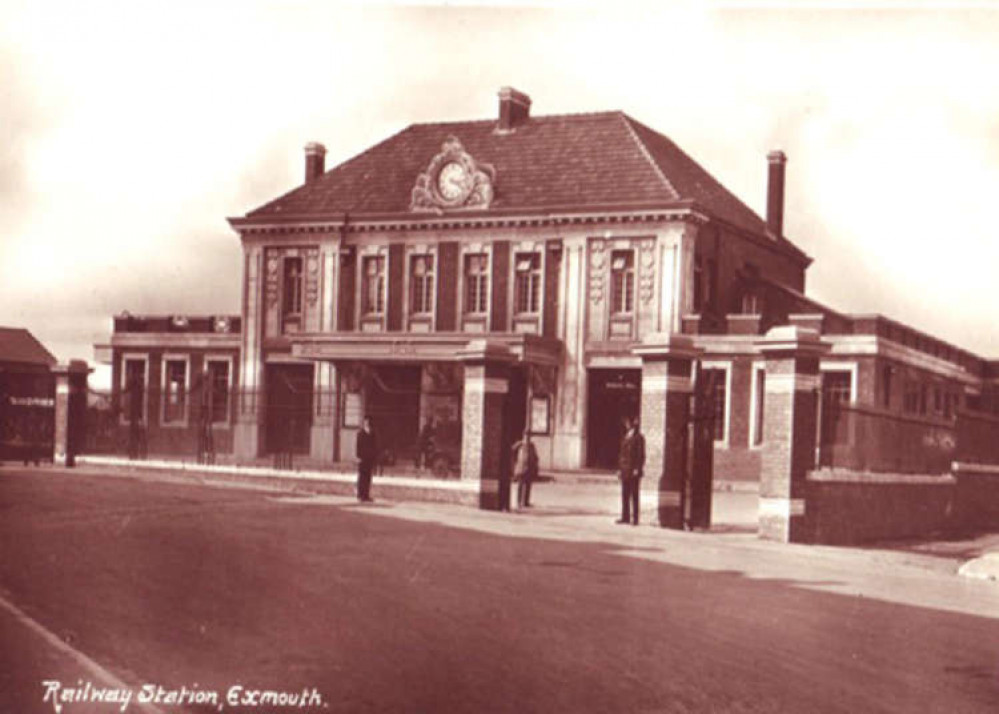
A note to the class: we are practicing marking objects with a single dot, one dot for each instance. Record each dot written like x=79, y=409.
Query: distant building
x=567, y=239
x=27, y=391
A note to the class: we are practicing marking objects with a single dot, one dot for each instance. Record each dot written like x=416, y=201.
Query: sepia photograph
x=499, y=357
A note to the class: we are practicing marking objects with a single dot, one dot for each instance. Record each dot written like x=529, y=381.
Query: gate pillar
x=790, y=419
x=70, y=411
x=665, y=414
x=486, y=383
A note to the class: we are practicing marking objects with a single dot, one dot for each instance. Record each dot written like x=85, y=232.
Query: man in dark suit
x=367, y=455
x=631, y=461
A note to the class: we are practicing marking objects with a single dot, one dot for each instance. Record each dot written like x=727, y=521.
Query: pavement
x=588, y=503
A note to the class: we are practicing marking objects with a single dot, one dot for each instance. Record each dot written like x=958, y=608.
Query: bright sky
x=131, y=130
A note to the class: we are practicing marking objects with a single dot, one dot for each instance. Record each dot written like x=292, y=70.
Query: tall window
x=714, y=378
x=911, y=401
x=291, y=306
x=836, y=387
x=528, y=284
x=134, y=392
x=750, y=303
x=476, y=284
x=886, y=376
x=217, y=385
x=421, y=285
x=174, y=391
x=373, y=285
x=623, y=282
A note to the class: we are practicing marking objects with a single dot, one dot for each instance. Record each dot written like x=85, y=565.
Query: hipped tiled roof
x=20, y=346
x=575, y=162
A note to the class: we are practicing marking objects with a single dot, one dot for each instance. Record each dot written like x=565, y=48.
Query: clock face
x=451, y=180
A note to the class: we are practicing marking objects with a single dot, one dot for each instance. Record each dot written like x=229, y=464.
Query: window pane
x=292, y=303
x=175, y=397
x=373, y=287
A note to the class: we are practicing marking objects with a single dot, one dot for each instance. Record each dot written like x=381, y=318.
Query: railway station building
x=557, y=246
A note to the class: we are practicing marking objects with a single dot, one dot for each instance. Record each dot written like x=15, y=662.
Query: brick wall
x=846, y=508
x=977, y=501
x=977, y=438
x=737, y=464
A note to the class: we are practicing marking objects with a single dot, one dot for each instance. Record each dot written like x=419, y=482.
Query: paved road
x=423, y=608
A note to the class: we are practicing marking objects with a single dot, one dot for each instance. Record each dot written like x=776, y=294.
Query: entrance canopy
x=420, y=347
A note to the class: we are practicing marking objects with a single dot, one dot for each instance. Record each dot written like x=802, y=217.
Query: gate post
x=666, y=371
x=70, y=411
x=789, y=430
x=486, y=382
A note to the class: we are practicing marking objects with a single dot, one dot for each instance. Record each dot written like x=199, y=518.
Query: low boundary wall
x=844, y=507
x=977, y=507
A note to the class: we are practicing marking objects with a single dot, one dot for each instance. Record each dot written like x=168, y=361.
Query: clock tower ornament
x=452, y=181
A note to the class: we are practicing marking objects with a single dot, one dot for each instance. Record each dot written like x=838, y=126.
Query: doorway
x=613, y=395
x=289, y=408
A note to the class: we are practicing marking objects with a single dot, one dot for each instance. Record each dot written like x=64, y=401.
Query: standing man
x=367, y=455
x=425, y=444
x=631, y=461
x=525, y=468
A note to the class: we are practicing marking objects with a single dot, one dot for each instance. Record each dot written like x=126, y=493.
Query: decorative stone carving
x=312, y=276
x=453, y=180
x=273, y=260
x=647, y=270
x=598, y=261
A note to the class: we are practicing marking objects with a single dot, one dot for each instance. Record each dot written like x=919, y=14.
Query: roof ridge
x=627, y=120
x=533, y=117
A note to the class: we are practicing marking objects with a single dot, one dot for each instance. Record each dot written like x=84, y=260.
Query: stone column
x=666, y=372
x=487, y=367
x=790, y=420
x=70, y=411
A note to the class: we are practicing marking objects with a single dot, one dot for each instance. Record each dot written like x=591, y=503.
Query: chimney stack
x=514, y=109
x=775, y=192
x=315, y=161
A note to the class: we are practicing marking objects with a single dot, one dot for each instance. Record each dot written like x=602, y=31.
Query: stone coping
x=868, y=477
x=290, y=474
x=970, y=469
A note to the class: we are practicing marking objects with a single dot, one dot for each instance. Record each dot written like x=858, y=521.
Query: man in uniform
x=631, y=461
x=367, y=455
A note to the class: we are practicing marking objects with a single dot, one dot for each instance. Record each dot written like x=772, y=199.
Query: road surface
x=385, y=608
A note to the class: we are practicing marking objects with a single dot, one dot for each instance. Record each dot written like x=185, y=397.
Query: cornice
x=417, y=222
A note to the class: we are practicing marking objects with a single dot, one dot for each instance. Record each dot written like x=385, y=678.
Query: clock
x=452, y=180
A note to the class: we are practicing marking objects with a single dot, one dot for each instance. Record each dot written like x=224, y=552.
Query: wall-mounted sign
x=540, y=415
x=353, y=410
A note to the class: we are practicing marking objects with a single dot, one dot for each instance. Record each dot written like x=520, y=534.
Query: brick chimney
x=514, y=109
x=775, y=192
x=315, y=161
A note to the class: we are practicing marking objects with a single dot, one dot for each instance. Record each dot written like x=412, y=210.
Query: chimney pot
x=776, y=161
x=315, y=161
x=514, y=109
